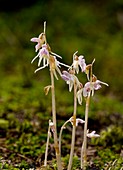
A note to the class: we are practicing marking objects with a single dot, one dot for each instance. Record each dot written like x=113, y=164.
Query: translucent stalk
x=47, y=144
x=45, y=31
x=58, y=158
x=60, y=134
x=74, y=128
x=84, y=145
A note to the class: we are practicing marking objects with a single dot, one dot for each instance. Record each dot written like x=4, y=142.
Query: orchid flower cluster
x=47, y=58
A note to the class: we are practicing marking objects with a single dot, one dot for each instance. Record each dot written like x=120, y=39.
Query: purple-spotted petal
x=86, y=89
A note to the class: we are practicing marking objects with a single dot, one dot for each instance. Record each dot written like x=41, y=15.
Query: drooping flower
x=91, y=86
x=70, y=79
x=54, y=65
x=97, y=84
x=78, y=62
x=82, y=63
x=43, y=54
x=92, y=134
x=87, y=89
x=40, y=41
x=47, y=56
x=78, y=120
x=52, y=127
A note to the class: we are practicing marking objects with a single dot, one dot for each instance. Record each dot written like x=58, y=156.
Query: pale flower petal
x=86, y=89
x=69, y=78
x=97, y=84
x=52, y=127
x=70, y=86
x=78, y=62
x=91, y=86
x=40, y=40
x=67, y=75
x=82, y=63
x=42, y=54
x=92, y=134
x=76, y=66
x=37, y=47
x=78, y=120
x=64, y=77
x=35, y=39
x=79, y=96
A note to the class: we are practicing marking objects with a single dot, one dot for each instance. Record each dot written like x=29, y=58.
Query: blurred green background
x=94, y=28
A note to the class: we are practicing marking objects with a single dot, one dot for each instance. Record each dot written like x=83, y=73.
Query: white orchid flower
x=91, y=86
x=92, y=134
x=70, y=79
x=40, y=41
x=78, y=120
x=78, y=62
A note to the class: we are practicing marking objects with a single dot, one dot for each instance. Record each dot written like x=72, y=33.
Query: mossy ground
x=24, y=121
x=25, y=110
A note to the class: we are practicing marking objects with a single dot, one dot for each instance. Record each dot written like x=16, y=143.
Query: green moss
x=112, y=137
x=76, y=162
x=4, y=124
x=108, y=159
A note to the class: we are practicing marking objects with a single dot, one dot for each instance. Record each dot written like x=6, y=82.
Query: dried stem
x=74, y=128
x=58, y=158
